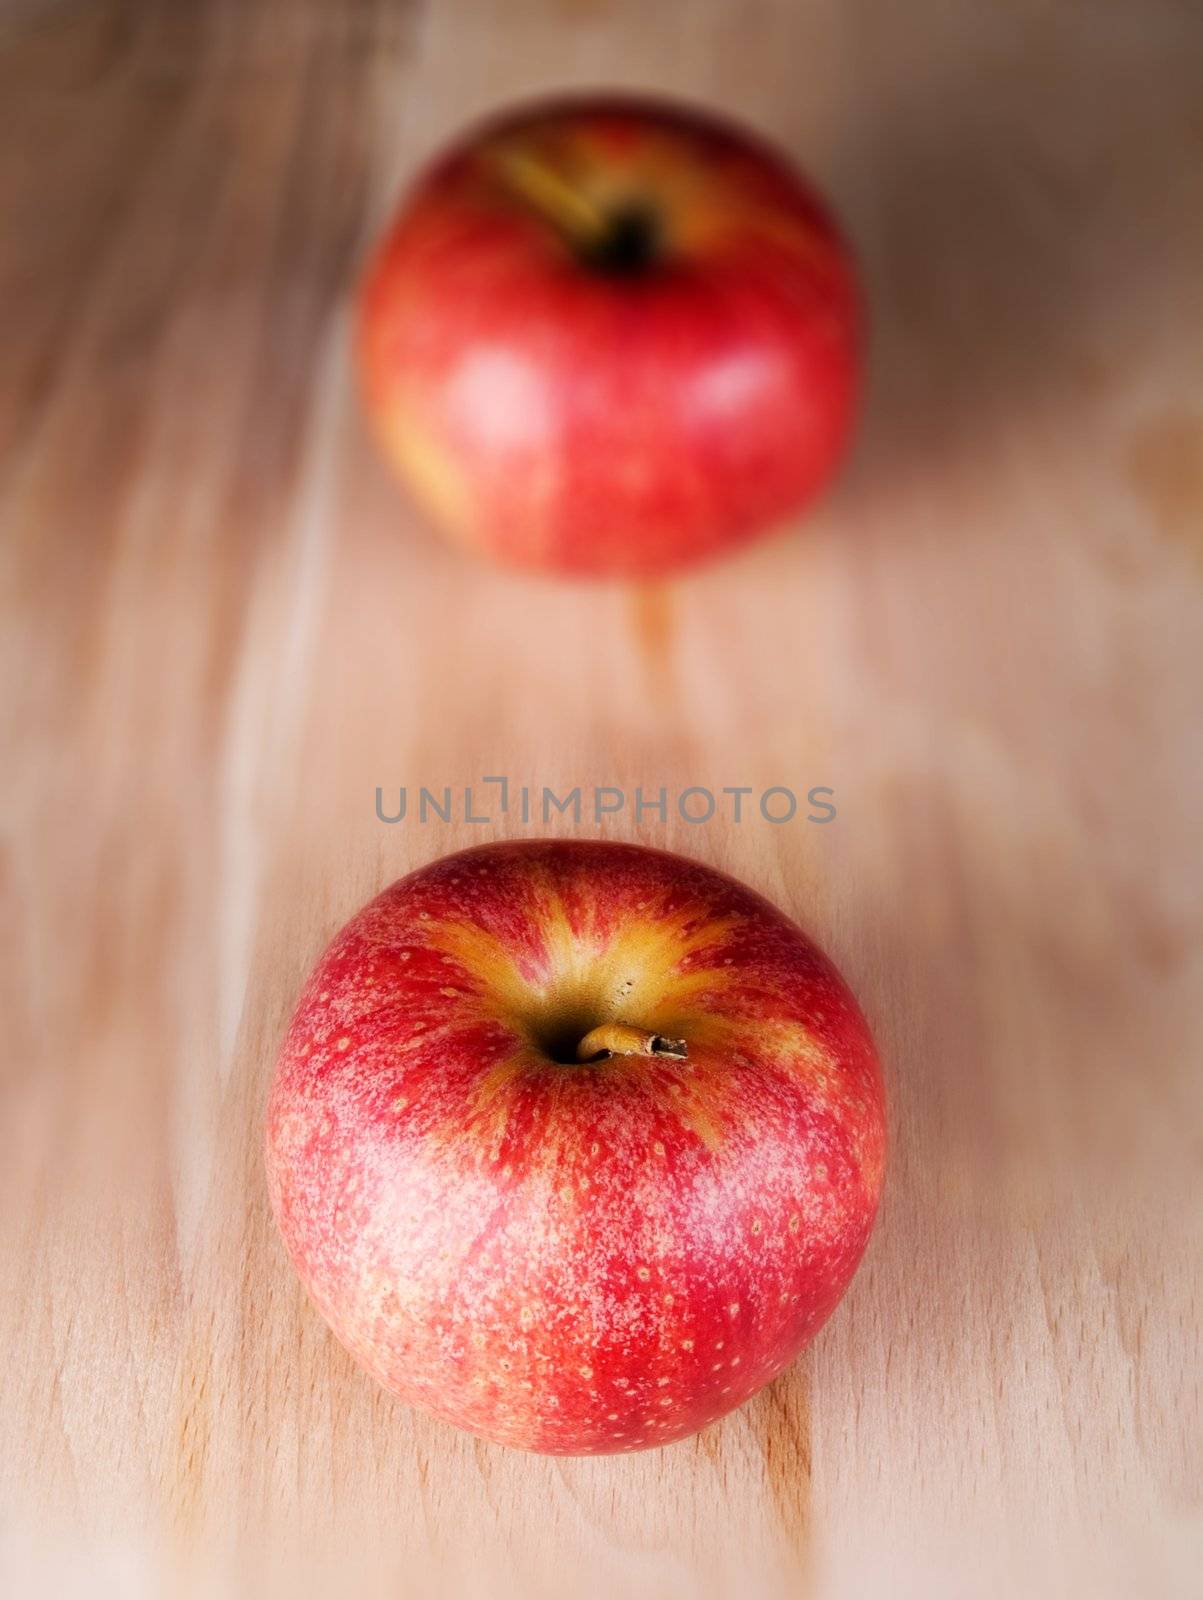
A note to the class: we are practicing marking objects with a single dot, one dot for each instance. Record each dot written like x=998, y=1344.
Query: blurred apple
x=610, y=337
x=575, y=1144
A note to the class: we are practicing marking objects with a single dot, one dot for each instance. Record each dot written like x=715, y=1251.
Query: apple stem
x=576, y=218
x=619, y=1039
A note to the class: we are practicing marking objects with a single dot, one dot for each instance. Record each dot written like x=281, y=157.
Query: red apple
x=575, y=1144
x=610, y=337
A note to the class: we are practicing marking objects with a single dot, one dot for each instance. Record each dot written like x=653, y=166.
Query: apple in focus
x=610, y=337
x=575, y=1144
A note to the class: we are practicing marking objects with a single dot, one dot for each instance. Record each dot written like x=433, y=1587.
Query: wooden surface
x=221, y=630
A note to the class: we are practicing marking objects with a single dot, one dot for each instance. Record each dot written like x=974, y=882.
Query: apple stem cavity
x=617, y=241
x=620, y=1039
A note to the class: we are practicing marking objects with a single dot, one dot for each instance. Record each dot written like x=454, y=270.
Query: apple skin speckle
x=547, y=1253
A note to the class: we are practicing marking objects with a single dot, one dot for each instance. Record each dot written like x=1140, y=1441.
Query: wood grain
x=222, y=630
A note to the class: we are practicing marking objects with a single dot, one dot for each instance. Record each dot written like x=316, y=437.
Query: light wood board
x=222, y=629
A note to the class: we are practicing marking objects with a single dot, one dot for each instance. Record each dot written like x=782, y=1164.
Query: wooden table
x=222, y=630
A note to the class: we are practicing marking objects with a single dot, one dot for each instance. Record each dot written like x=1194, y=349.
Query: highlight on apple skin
x=575, y=1144
x=610, y=337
